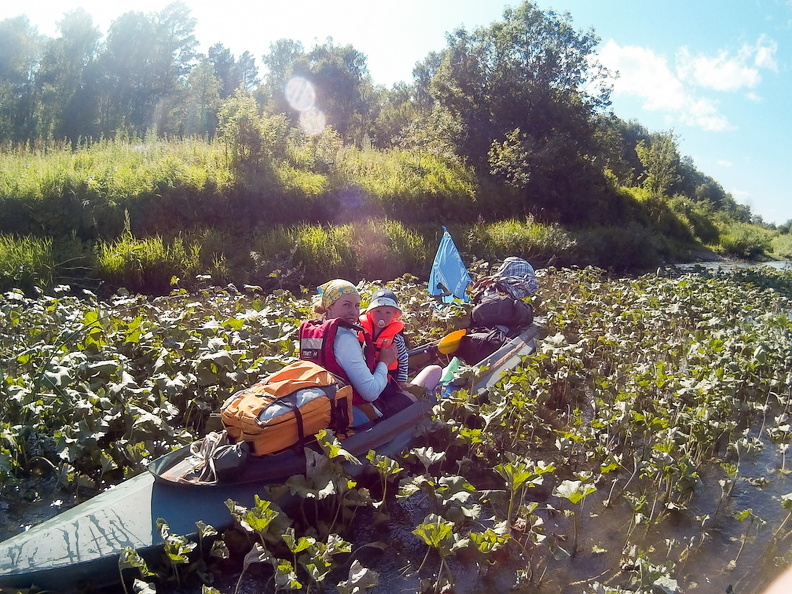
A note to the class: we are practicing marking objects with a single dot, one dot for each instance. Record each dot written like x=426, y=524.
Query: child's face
x=383, y=316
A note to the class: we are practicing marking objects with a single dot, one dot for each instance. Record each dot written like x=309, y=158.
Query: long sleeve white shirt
x=349, y=355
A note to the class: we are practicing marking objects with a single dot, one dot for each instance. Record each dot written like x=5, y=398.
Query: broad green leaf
x=575, y=491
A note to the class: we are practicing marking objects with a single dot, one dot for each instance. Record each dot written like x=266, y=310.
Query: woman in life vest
x=333, y=341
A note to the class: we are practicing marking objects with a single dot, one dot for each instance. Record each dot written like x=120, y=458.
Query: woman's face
x=346, y=307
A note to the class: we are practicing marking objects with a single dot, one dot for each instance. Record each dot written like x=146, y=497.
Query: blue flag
x=449, y=276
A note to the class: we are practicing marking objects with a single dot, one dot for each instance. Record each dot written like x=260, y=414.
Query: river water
x=727, y=266
x=712, y=551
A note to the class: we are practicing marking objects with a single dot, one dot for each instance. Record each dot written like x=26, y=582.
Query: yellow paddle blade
x=450, y=343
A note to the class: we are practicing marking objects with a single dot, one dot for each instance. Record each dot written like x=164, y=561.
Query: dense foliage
x=647, y=430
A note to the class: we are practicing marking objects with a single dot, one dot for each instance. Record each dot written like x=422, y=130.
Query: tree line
x=522, y=102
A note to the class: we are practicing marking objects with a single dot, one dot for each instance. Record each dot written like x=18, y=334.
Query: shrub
x=698, y=216
x=620, y=249
x=781, y=246
x=662, y=217
x=745, y=241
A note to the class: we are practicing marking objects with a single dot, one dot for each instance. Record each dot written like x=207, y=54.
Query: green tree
x=697, y=185
x=423, y=74
x=278, y=64
x=527, y=87
x=616, y=140
x=661, y=162
x=530, y=71
x=397, y=110
x=145, y=64
x=202, y=101
x=66, y=80
x=128, y=93
x=174, y=59
x=248, y=71
x=343, y=87
x=233, y=74
x=224, y=66
x=20, y=48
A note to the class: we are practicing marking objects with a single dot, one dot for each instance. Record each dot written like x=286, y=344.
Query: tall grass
x=150, y=265
x=539, y=244
x=25, y=263
x=411, y=186
x=291, y=256
x=380, y=249
x=55, y=190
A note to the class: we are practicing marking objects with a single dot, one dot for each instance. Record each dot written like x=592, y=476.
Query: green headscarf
x=333, y=290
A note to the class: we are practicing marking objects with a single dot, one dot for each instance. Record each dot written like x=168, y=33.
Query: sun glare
x=301, y=95
x=313, y=121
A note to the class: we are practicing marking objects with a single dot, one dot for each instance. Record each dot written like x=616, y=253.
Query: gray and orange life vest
x=316, y=344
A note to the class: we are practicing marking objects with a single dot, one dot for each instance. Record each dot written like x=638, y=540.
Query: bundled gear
x=516, y=277
x=499, y=311
x=287, y=408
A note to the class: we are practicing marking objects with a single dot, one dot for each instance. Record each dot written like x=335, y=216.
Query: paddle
x=445, y=346
x=450, y=342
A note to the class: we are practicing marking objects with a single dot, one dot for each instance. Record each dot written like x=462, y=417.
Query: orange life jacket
x=385, y=337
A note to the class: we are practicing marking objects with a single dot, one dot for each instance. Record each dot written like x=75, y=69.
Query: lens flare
x=313, y=121
x=300, y=93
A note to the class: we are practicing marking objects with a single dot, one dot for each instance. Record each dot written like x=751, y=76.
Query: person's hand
x=388, y=354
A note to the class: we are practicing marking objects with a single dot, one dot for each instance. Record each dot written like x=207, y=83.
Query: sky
x=715, y=73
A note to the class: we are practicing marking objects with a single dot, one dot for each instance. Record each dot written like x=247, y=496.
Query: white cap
x=382, y=302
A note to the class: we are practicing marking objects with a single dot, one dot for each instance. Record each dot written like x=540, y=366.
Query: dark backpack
x=480, y=343
x=497, y=309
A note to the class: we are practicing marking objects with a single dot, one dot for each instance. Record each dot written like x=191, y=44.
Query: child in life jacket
x=381, y=321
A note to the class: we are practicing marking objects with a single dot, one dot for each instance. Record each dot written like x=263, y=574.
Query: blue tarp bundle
x=448, y=270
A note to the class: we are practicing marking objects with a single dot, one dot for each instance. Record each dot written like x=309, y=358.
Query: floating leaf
x=575, y=491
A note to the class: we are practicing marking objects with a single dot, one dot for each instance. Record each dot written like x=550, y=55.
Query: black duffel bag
x=480, y=343
x=498, y=309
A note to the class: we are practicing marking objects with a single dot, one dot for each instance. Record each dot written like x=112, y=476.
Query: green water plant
x=176, y=550
x=131, y=559
x=576, y=492
x=440, y=536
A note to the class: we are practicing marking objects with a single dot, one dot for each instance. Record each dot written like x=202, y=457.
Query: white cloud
x=721, y=73
x=753, y=97
x=725, y=72
x=677, y=91
x=725, y=163
x=647, y=75
x=765, y=51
